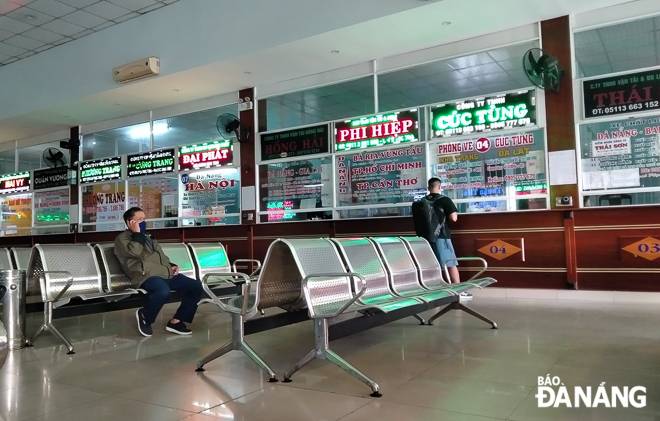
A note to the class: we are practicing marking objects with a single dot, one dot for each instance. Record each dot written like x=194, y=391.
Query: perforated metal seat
x=62, y=272
x=361, y=257
x=179, y=254
x=21, y=256
x=113, y=276
x=5, y=259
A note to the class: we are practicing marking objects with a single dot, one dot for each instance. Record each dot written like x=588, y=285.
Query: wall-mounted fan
x=228, y=126
x=54, y=158
x=542, y=69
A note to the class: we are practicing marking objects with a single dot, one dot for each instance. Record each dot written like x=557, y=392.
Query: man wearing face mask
x=147, y=266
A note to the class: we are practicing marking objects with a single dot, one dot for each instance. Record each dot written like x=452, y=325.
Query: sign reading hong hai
x=205, y=156
x=625, y=94
x=378, y=130
x=149, y=163
x=100, y=170
x=14, y=183
x=299, y=142
x=508, y=111
x=51, y=177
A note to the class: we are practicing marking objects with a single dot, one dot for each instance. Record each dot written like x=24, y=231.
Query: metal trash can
x=12, y=290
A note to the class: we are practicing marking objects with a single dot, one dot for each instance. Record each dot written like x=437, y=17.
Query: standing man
x=147, y=266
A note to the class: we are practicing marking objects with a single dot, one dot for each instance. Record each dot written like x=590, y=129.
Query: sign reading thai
x=378, y=130
x=205, y=156
x=13, y=183
x=51, y=177
x=624, y=94
x=149, y=163
x=100, y=170
x=299, y=142
x=506, y=111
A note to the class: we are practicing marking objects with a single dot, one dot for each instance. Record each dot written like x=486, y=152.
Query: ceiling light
x=445, y=23
x=30, y=17
x=142, y=130
x=335, y=51
x=93, y=143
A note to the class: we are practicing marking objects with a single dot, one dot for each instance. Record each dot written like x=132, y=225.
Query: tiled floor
x=458, y=369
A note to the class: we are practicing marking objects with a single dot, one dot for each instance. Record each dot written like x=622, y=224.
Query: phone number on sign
x=626, y=107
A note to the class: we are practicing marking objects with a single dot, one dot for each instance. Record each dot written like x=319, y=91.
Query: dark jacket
x=138, y=260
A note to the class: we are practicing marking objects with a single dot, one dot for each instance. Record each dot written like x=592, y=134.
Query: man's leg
x=445, y=252
x=191, y=291
x=159, y=294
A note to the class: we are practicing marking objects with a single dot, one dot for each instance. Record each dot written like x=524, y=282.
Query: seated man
x=147, y=266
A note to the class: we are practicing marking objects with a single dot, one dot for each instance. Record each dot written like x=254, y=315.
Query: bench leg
x=237, y=343
x=420, y=318
x=323, y=352
x=48, y=326
x=468, y=310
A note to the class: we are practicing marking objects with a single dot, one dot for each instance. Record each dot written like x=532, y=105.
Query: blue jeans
x=159, y=290
x=443, y=250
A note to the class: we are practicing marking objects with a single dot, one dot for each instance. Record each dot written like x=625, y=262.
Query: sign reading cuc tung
x=149, y=163
x=507, y=111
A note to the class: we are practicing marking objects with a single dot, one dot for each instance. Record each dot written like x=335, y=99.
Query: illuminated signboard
x=149, y=163
x=13, y=183
x=280, y=206
x=51, y=177
x=623, y=94
x=378, y=130
x=506, y=111
x=205, y=156
x=100, y=170
x=298, y=142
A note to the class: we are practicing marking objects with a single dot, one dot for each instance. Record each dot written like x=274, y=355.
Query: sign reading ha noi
x=298, y=142
x=378, y=130
x=508, y=111
x=205, y=156
x=623, y=94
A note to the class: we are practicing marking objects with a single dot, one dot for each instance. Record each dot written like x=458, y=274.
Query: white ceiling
x=28, y=27
x=394, y=27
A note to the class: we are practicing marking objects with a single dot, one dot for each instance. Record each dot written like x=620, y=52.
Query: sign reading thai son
x=501, y=112
x=298, y=142
x=205, y=156
x=100, y=170
x=13, y=183
x=624, y=94
x=378, y=130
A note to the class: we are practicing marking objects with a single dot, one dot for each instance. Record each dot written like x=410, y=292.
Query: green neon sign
x=500, y=112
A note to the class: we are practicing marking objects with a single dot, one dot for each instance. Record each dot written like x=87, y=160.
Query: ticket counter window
x=103, y=206
x=158, y=197
x=210, y=197
x=51, y=211
x=16, y=216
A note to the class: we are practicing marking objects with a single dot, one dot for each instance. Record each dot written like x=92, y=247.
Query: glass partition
x=211, y=197
x=51, y=211
x=102, y=206
x=158, y=197
x=16, y=214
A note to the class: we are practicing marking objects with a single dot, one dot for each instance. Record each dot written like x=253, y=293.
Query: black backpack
x=429, y=218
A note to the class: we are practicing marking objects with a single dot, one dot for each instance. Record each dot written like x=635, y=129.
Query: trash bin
x=12, y=290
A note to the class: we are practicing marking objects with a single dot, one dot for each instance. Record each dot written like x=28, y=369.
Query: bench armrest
x=69, y=282
x=484, y=266
x=216, y=300
x=255, y=261
x=363, y=288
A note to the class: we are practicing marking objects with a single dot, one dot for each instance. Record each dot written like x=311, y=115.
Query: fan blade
x=532, y=61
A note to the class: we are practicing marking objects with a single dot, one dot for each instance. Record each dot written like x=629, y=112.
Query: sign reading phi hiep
x=378, y=130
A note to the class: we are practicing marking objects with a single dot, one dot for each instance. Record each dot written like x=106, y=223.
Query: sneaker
x=144, y=327
x=178, y=328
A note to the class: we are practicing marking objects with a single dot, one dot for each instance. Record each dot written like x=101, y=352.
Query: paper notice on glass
x=624, y=178
x=326, y=188
x=11, y=230
x=596, y=180
x=248, y=198
x=308, y=203
x=536, y=162
x=168, y=199
x=562, y=167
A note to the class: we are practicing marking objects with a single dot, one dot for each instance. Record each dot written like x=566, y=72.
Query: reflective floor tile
x=389, y=411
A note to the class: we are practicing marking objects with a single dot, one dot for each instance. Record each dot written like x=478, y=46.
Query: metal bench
x=60, y=273
x=180, y=255
x=430, y=276
x=113, y=277
x=5, y=259
x=21, y=257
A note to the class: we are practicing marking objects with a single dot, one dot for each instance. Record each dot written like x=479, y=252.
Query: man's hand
x=175, y=270
x=134, y=226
